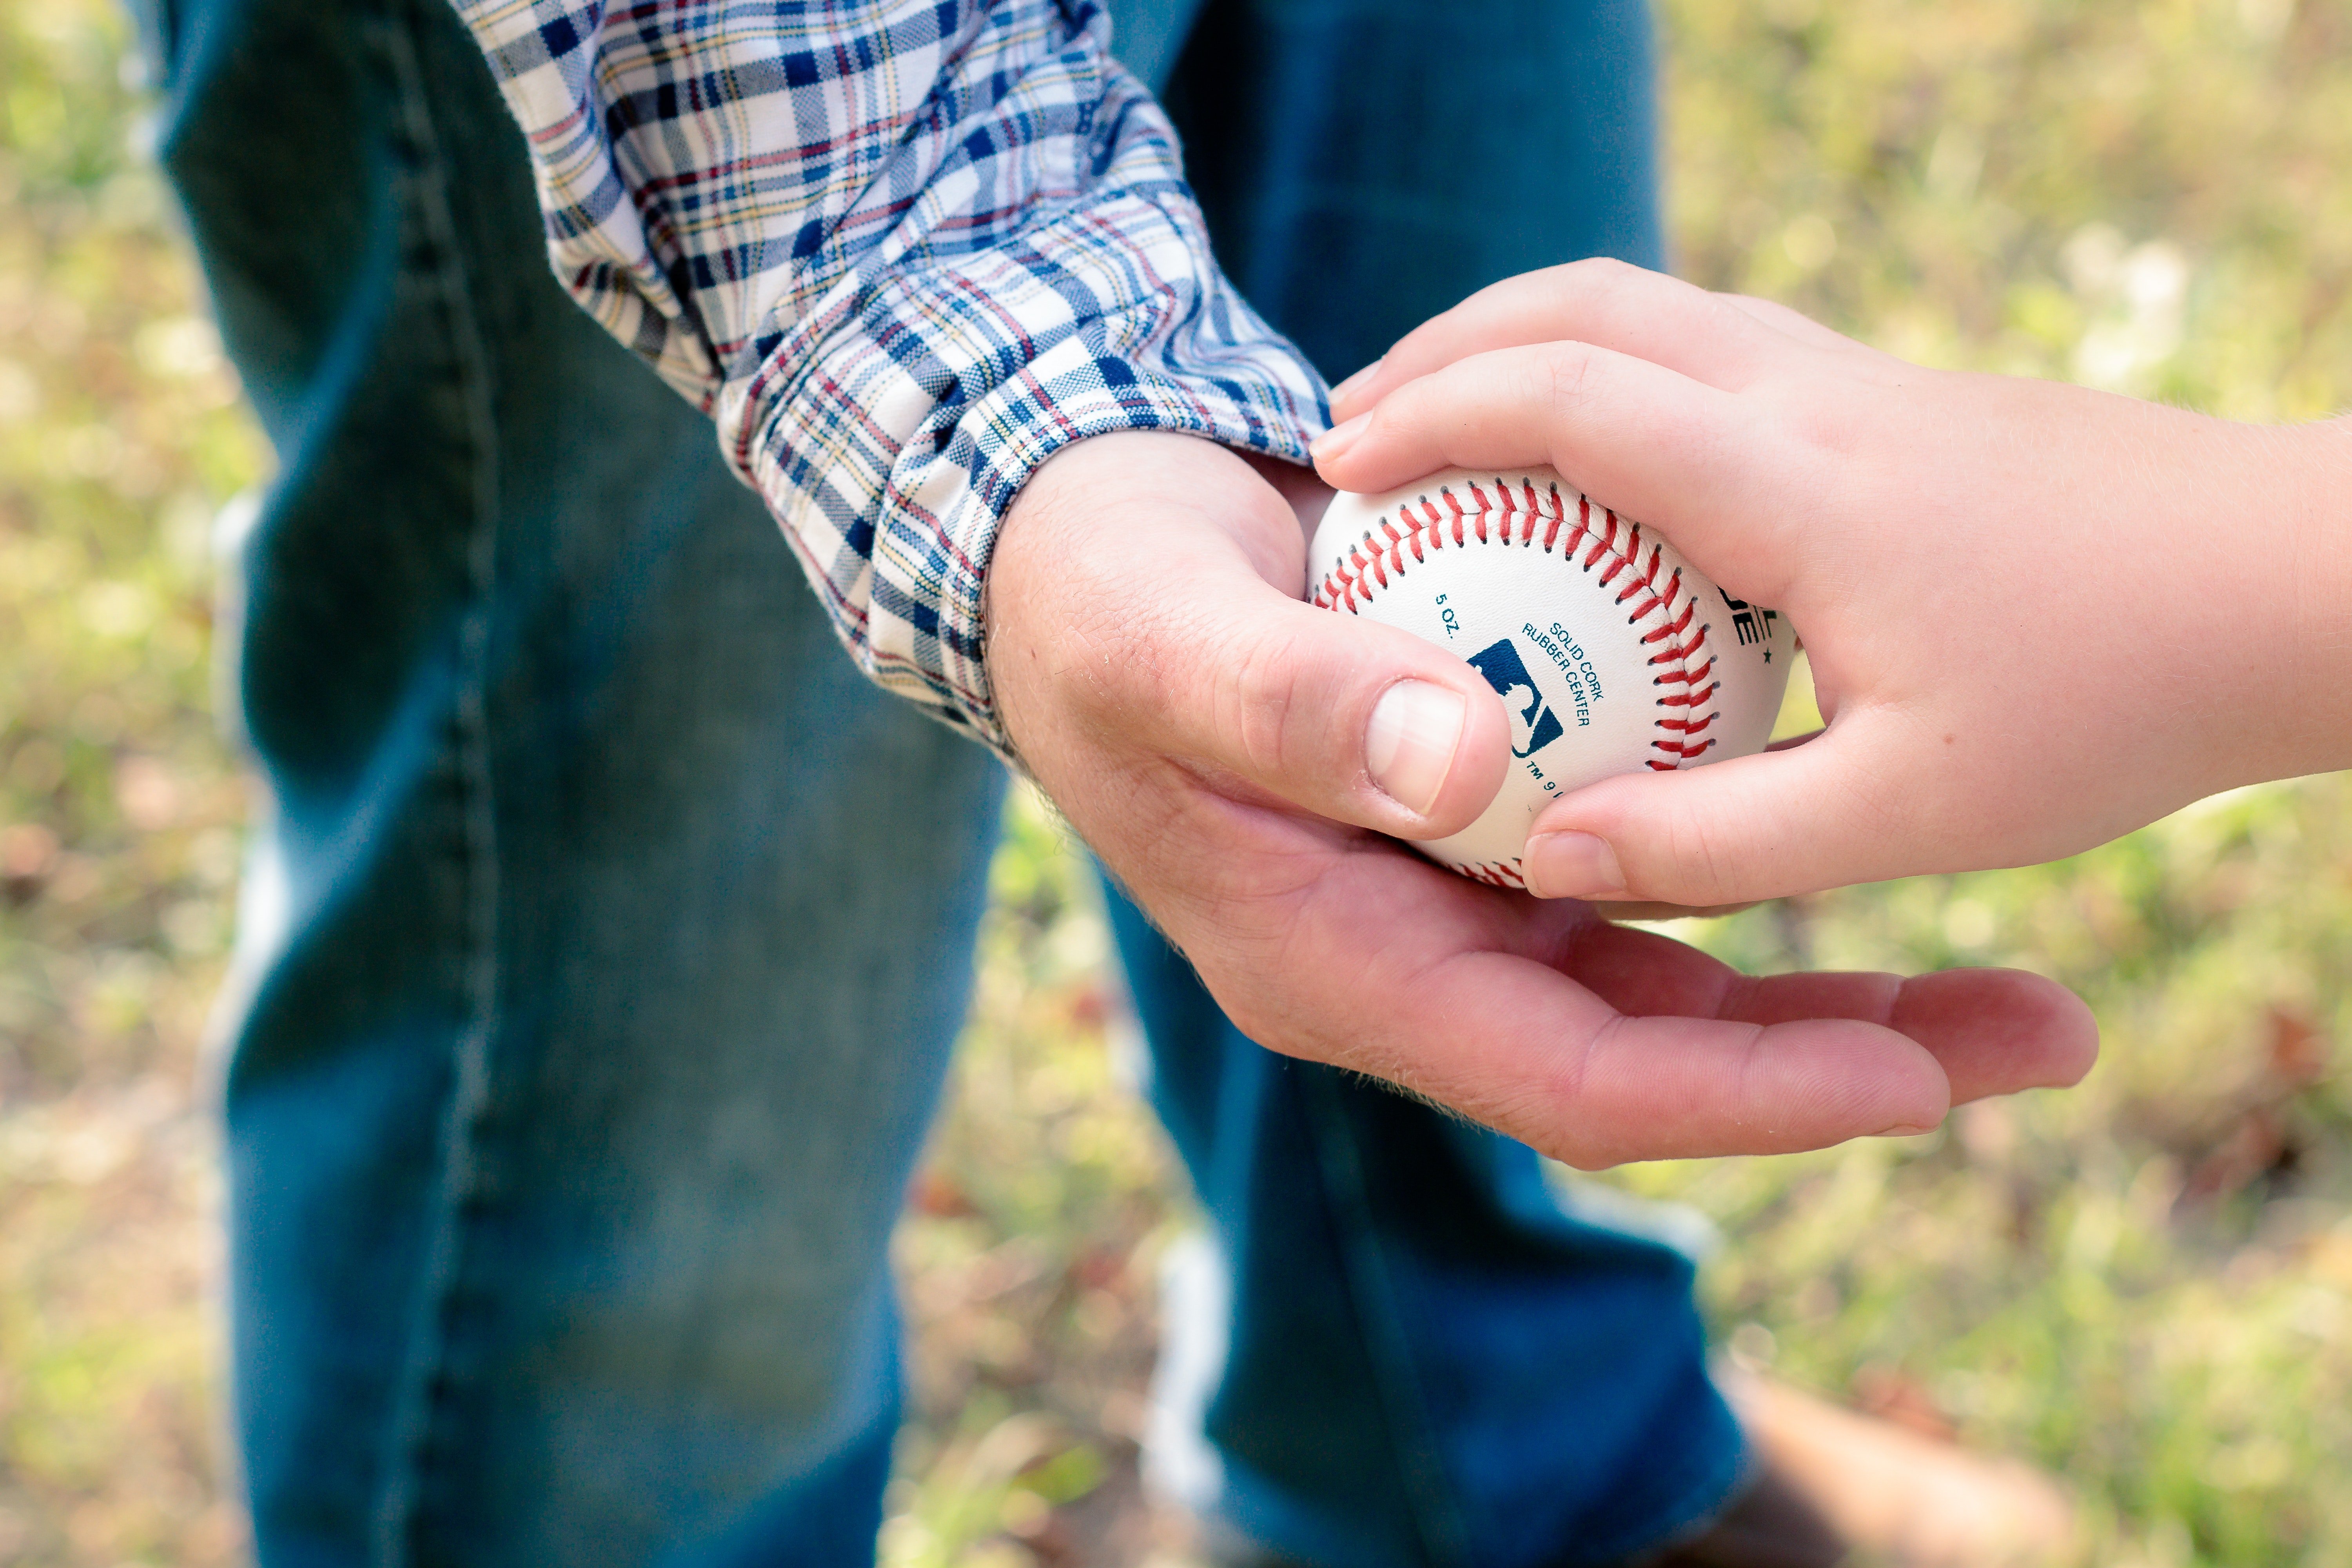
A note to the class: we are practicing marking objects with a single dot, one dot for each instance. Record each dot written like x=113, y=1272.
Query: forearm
x=2226, y=573
x=2206, y=565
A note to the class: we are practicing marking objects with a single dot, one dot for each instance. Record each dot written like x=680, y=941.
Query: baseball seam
x=1684, y=667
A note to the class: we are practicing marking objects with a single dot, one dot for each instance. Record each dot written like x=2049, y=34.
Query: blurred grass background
x=2145, y=1283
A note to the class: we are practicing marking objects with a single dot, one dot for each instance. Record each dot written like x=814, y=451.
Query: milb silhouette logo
x=1503, y=671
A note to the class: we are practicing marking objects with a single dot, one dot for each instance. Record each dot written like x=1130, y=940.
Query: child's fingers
x=1795, y=324
x=1820, y=815
x=1678, y=455
x=1647, y=314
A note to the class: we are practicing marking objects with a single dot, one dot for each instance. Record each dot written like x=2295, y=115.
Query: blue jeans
x=596, y=978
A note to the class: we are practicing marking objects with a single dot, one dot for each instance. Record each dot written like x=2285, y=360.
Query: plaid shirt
x=903, y=251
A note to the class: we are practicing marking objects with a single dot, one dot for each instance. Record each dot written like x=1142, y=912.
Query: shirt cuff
x=890, y=455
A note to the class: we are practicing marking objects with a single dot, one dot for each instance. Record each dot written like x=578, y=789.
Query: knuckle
x=1401, y=416
x=1259, y=697
x=1819, y=433
x=1595, y=278
x=1422, y=410
x=1699, y=865
x=1567, y=372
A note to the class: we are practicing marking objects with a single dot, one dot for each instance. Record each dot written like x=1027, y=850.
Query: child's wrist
x=2301, y=476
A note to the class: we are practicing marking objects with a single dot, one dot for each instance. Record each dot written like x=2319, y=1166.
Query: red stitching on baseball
x=1675, y=630
x=1351, y=590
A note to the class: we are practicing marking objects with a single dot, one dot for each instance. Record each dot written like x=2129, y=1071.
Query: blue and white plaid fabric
x=903, y=251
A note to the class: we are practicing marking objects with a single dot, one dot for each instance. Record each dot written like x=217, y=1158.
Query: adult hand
x=2038, y=616
x=1238, y=757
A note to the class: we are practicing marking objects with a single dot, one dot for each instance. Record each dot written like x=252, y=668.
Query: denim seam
x=417, y=1391
x=1444, y=1533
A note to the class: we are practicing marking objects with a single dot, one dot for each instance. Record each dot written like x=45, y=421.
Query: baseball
x=1611, y=652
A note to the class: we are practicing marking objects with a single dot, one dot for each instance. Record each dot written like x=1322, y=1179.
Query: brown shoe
x=1833, y=1479
x=1771, y=1525
x=1832, y=1483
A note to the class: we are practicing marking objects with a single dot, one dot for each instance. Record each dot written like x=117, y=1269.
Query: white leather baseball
x=1611, y=653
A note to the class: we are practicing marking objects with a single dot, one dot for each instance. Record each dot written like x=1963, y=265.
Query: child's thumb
x=1791, y=820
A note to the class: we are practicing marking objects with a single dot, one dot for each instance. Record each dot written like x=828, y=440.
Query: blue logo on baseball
x=1530, y=719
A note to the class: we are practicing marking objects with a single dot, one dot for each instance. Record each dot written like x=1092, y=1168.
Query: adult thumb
x=1749, y=828
x=1348, y=719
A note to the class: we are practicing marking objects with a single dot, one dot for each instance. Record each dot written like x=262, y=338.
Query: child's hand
x=2038, y=616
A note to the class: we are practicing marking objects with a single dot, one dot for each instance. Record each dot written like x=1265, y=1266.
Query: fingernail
x=1409, y=746
x=1570, y=866
x=1339, y=438
x=1339, y=393
x=1908, y=1129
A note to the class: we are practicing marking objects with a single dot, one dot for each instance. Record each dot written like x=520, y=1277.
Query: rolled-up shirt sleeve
x=902, y=251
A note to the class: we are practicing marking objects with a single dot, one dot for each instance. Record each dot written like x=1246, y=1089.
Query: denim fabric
x=600, y=958
x=1366, y=163
x=604, y=936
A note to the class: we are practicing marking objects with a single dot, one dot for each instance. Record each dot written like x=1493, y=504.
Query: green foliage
x=1031, y=1248
x=119, y=437
x=2146, y=197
